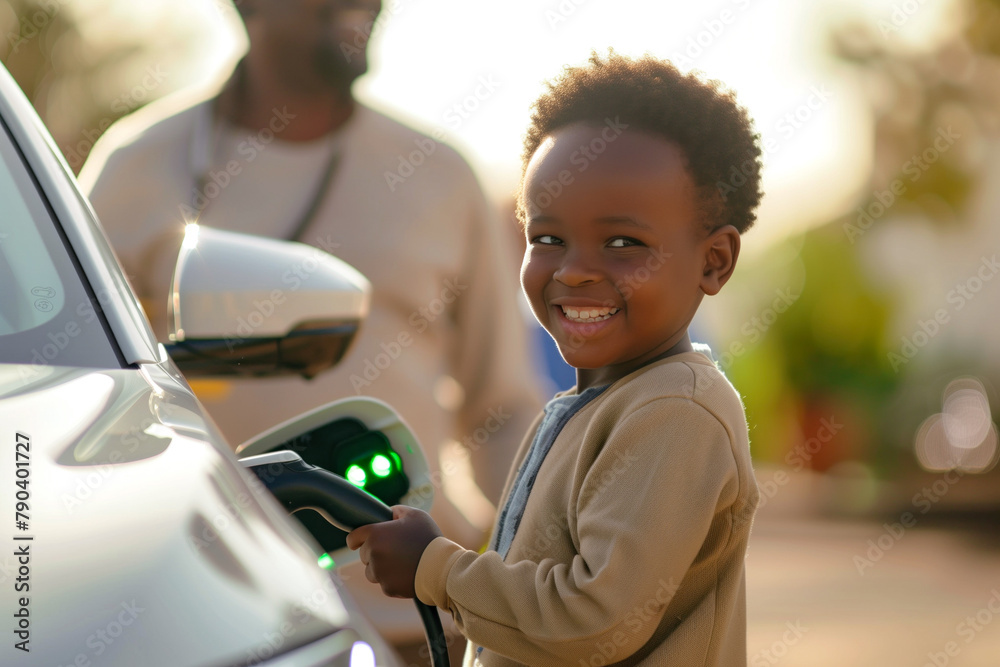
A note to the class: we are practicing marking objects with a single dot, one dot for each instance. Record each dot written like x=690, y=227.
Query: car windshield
x=48, y=314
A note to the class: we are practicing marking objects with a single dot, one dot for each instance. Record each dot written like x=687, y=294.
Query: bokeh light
x=961, y=437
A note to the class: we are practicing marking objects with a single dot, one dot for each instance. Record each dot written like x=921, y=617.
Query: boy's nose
x=576, y=269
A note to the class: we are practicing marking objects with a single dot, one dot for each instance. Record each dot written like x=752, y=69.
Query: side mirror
x=362, y=440
x=254, y=306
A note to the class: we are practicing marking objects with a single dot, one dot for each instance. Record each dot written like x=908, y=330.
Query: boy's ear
x=722, y=248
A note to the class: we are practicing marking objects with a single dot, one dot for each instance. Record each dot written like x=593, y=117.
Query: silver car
x=131, y=534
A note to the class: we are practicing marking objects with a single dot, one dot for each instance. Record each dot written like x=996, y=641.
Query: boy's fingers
x=365, y=553
x=399, y=511
x=357, y=537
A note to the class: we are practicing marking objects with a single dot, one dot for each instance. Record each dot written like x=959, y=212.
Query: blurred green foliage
x=827, y=356
x=827, y=352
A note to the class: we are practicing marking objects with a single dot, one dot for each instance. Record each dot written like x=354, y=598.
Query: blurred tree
x=828, y=353
x=917, y=96
x=827, y=356
x=85, y=63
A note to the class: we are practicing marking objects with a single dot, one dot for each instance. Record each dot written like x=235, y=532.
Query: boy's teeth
x=588, y=314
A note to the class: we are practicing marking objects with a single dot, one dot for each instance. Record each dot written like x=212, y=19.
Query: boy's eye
x=546, y=239
x=624, y=242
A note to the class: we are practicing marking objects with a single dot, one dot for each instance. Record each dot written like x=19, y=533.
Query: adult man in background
x=284, y=150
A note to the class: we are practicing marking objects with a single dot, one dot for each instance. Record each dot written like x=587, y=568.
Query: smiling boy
x=624, y=524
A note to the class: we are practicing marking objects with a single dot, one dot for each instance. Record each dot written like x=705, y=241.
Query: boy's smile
x=617, y=259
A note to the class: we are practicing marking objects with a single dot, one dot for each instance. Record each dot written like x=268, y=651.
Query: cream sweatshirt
x=631, y=547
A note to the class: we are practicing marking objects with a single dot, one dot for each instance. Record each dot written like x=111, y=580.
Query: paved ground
x=851, y=592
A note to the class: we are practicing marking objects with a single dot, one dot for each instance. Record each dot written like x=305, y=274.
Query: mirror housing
x=363, y=440
x=253, y=306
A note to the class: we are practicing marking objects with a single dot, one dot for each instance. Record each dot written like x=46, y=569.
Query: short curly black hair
x=715, y=133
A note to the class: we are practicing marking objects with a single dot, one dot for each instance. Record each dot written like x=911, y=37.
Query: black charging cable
x=298, y=485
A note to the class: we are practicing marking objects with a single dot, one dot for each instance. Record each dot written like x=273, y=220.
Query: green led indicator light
x=356, y=476
x=381, y=465
x=326, y=562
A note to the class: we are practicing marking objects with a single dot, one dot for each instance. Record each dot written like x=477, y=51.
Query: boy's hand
x=391, y=550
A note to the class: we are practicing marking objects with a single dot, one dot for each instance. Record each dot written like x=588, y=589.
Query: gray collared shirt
x=558, y=411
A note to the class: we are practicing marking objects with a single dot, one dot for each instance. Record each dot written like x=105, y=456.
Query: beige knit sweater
x=632, y=543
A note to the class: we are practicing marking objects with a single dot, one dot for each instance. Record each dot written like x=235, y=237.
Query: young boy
x=624, y=525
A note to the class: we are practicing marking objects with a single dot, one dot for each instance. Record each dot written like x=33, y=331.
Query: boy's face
x=617, y=261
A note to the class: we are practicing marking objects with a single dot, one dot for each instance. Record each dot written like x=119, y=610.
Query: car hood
x=143, y=541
